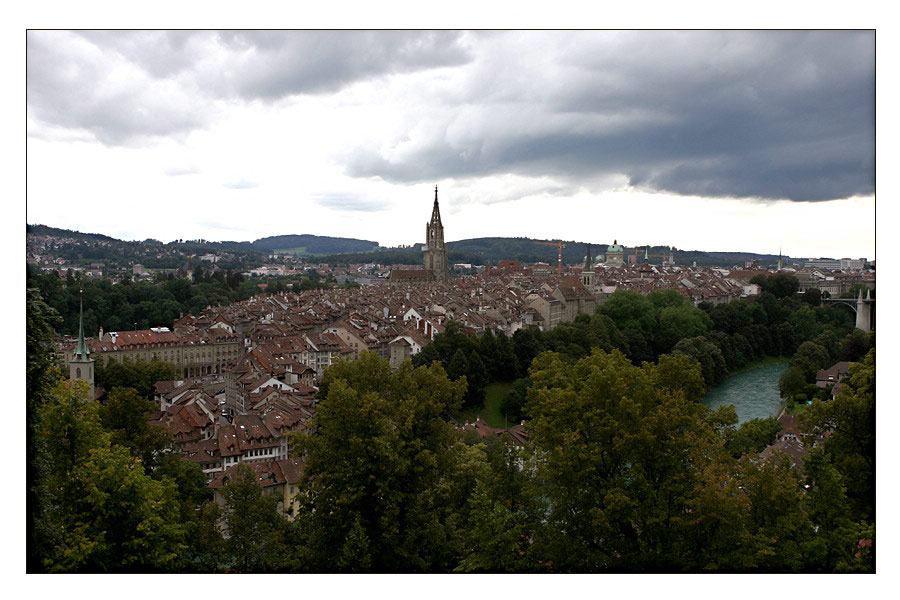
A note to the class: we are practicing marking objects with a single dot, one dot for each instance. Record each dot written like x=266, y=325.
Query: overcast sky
x=740, y=141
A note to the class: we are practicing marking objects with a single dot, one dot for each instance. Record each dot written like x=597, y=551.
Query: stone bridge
x=861, y=306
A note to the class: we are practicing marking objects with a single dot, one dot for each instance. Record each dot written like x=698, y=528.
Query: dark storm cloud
x=745, y=114
x=277, y=64
x=349, y=202
x=123, y=86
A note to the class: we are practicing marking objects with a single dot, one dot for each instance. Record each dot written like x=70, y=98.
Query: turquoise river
x=754, y=393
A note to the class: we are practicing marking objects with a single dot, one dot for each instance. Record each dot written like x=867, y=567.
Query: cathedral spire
x=587, y=259
x=436, y=211
x=435, y=251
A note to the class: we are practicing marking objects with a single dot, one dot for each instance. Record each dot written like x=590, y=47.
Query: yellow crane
x=559, y=245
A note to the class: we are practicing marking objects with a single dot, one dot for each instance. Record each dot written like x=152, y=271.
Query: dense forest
x=143, y=304
x=134, y=305
x=627, y=471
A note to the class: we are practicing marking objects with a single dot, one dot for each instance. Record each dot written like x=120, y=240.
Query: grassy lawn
x=796, y=409
x=494, y=393
x=295, y=251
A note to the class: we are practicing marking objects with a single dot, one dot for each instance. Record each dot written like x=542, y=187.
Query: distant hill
x=313, y=244
x=299, y=245
x=479, y=251
x=294, y=244
x=68, y=233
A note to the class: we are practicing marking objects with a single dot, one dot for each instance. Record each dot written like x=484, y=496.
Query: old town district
x=248, y=372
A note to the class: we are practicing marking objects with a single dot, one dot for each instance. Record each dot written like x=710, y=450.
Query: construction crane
x=559, y=246
x=663, y=256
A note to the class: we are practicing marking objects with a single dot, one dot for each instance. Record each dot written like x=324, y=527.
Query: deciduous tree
x=386, y=476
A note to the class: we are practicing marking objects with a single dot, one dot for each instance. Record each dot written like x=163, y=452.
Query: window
x=78, y=373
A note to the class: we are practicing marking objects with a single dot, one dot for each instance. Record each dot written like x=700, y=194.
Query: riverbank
x=753, y=390
x=762, y=362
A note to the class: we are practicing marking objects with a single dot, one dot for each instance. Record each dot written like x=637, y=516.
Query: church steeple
x=81, y=350
x=436, y=211
x=587, y=272
x=435, y=252
x=81, y=366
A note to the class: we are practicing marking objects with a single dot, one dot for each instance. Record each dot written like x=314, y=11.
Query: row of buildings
x=248, y=372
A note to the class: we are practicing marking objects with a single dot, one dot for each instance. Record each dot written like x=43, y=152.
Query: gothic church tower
x=435, y=251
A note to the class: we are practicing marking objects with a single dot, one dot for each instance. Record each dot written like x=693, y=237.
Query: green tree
x=205, y=552
x=461, y=356
x=617, y=455
x=732, y=317
x=255, y=530
x=813, y=296
x=139, y=375
x=108, y=515
x=780, y=285
x=707, y=354
x=386, y=476
x=40, y=375
x=836, y=535
x=502, y=513
x=778, y=518
x=753, y=436
x=678, y=374
x=124, y=416
x=792, y=384
x=527, y=344
x=719, y=531
x=804, y=323
x=679, y=322
x=661, y=299
x=850, y=419
x=809, y=358
x=630, y=310
x=855, y=345
x=513, y=404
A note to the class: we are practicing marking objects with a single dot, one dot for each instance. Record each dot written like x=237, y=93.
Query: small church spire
x=81, y=366
x=81, y=351
x=587, y=259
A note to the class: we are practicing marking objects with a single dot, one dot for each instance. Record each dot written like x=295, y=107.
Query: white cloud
x=526, y=133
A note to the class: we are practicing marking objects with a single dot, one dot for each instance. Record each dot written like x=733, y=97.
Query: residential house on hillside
x=278, y=478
